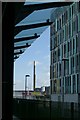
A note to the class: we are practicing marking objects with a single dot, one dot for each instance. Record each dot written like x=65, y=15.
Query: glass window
x=69, y=29
x=66, y=15
x=77, y=63
x=60, y=23
x=69, y=12
x=62, y=19
x=51, y=86
x=78, y=22
x=64, y=48
x=59, y=69
x=77, y=82
x=73, y=45
x=60, y=38
x=72, y=65
x=72, y=10
x=76, y=43
x=60, y=82
x=68, y=46
x=74, y=84
x=74, y=26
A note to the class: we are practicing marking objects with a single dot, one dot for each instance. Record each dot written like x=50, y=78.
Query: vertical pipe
x=34, y=77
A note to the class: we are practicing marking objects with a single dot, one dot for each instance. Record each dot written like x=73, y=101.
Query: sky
x=39, y=52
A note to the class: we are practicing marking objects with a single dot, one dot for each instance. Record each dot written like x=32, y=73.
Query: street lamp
x=26, y=83
x=63, y=59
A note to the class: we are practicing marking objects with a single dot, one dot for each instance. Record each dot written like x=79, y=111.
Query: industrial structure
x=65, y=53
x=34, y=76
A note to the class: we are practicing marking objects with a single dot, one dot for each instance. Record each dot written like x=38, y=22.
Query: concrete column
x=0, y=60
x=7, y=59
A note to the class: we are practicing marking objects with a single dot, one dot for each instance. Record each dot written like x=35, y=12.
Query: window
x=77, y=82
x=64, y=49
x=73, y=61
x=74, y=84
x=69, y=12
x=72, y=10
x=66, y=15
x=76, y=43
x=73, y=45
x=53, y=57
x=77, y=63
x=69, y=29
x=62, y=20
x=78, y=22
x=77, y=60
x=51, y=43
x=58, y=53
x=54, y=86
x=51, y=29
x=60, y=82
x=68, y=46
x=66, y=32
x=59, y=69
x=60, y=38
x=74, y=26
x=72, y=65
x=51, y=86
x=63, y=33
x=60, y=23
x=54, y=29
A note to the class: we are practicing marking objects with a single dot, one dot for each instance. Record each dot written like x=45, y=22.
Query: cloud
x=36, y=63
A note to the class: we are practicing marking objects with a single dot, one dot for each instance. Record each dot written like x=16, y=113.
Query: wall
x=67, y=97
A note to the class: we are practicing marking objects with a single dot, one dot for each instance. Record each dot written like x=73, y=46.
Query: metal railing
x=37, y=109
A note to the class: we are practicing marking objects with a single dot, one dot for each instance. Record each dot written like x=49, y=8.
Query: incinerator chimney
x=34, y=76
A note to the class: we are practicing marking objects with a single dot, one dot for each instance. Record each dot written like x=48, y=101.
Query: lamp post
x=26, y=83
x=63, y=59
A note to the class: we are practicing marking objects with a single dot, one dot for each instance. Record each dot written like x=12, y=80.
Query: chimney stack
x=34, y=76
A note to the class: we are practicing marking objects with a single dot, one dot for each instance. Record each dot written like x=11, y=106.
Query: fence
x=36, y=109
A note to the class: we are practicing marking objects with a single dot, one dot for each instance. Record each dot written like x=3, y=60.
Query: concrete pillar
x=7, y=59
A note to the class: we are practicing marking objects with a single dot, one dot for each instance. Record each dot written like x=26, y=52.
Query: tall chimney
x=34, y=77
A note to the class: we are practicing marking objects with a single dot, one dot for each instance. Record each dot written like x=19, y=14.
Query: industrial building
x=65, y=54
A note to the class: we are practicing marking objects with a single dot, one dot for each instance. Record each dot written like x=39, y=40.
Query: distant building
x=65, y=44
